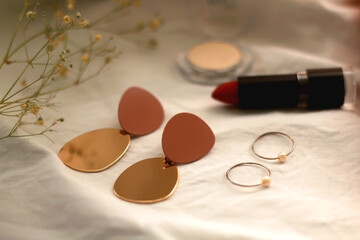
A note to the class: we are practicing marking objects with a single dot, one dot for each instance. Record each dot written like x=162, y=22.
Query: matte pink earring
x=186, y=138
x=139, y=113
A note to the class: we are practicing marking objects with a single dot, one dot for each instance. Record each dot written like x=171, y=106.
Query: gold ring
x=265, y=181
x=281, y=157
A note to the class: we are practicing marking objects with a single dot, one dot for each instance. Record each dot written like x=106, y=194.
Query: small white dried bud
x=67, y=19
x=85, y=58
x=70, y=4
x=98, y=37
x=31, y=15
x=84, y=22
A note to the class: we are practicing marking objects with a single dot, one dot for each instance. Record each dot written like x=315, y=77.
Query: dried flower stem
x=53, y=61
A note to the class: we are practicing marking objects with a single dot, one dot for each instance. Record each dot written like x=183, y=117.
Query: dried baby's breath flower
x=70, y=4
x=40, y=121
x=31, y=15
x=24, y=106
x=139, y=26
x=152, y=43
x=24, y=83
x=85, y=58
x=84, y=22
x=98, y=37
x=108, y=60
x=137, y=3
x=54, y=43
x=62, y=57
x=47, y=68
x=34, y=109
x=59, y=14
x=63, y=37
x=67, y=19
x=62, y=70
x=125, y=3
x=43, y=16
x=155, y=23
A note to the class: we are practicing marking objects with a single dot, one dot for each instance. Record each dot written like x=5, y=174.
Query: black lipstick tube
x=312, y=89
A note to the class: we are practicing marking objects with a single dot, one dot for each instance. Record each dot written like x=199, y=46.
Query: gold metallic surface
x=148, y=181
x=95, y=151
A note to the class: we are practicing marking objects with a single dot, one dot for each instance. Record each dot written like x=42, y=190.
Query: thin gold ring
x=281, y=156
x=265, y=181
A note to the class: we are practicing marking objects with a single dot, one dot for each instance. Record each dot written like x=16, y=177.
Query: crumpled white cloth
x=314, y=195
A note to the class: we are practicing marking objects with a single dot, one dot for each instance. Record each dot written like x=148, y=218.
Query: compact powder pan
x=214, y=62
x=214, y=56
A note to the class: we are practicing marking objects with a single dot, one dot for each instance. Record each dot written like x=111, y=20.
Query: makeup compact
x=222, y=56
x=213, y=62
x=214, y=56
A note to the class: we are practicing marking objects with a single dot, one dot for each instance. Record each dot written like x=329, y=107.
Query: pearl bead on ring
x=281, y=157
x=265, y=181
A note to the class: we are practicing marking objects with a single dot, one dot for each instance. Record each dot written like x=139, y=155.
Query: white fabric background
x=315, y=195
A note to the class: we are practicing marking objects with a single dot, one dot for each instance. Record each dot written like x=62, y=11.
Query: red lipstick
x=227, y=93
x=313, y=89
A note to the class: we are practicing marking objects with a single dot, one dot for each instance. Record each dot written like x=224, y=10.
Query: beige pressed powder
x=214, y=56
x=214, y=62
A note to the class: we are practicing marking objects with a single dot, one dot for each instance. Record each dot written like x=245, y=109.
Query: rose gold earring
x=186, y=138
x=139, y=113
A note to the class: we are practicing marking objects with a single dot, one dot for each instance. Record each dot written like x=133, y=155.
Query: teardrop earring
x=139, y=113
x=186, y=138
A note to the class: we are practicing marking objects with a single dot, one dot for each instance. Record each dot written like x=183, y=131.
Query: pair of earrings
x=265, y=180
x=186, y=138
